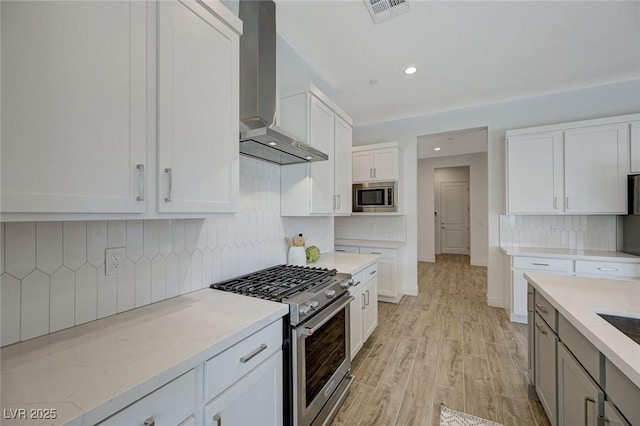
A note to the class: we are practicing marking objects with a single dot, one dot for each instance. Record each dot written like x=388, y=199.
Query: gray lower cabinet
x=545, y=346
x=612, y=416
x=578, y=395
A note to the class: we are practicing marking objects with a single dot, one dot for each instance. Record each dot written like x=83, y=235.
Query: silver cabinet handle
x=169, y=173
x=338, y=202
x=372, y=272
x=371, y=173
x=376, y=252
x=542, y=308
x=342, y=251
x=217, y=419
x=540, y=328
x=555, y=202
x=364, y=304
x=150, y=422
x=356, y=284
x=375, y=172
x=587, y=400
x=140, y=196
x=602, y=268
x=249, y=356
x=367, y=297
x=567, y=203
x=540, y=264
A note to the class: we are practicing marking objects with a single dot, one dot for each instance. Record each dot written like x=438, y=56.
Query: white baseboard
x=521, y=318
x=476, y=262
x=496, y=302
x=427, y=259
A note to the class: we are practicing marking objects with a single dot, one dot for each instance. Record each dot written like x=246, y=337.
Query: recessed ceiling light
x=410, y=70
x=308, y=157
x=436, y=149
x=272, y=144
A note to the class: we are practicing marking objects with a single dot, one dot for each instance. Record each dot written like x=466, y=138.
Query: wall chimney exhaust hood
x=259, y=137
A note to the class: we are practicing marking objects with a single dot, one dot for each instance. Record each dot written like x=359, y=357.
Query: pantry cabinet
x=570, y=168
x=198, y=110
x=74, y=107
x=111, y=109
x=373, y=163
x=319, y=187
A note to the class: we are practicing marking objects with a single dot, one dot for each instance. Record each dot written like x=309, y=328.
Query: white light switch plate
x=114, y=260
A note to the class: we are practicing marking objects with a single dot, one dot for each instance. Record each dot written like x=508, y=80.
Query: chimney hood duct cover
x=259, y=137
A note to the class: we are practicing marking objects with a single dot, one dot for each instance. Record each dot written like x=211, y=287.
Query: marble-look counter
x=579, y=299
x=349, y=263
x=369, y=243
x=88, y=372
x=597, y=255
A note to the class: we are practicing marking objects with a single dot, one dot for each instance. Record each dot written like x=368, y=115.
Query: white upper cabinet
x=319, y=187
x=375, y=164
x=596, y=167
x=572, y=168
x=198, y=115
x=635, y=147
x=534, y=168
x=74, y=101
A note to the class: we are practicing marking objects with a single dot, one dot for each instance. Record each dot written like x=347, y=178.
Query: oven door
x=322, y=360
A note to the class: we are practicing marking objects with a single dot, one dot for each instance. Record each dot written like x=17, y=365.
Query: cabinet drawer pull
x=248, y=357
x=543, y=331
x=567, y=203
x=376, y=252
x=555, y=202
x=217, y=419
x=374, y=172
x=542, y=308
x=338, y=202
x=357, y=283
x=540, y=264
x=602, y=268
x=372, y=272
x=367, y=297
x=364, y=304
x=371, y=173
x=149, y=422
x=169, y=173
x=140, y=196
x=340, y=250
x=587, y=400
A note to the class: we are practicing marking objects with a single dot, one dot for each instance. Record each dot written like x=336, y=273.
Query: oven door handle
x=310, y=330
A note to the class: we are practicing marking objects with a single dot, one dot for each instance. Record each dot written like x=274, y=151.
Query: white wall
x=600, y=101
x=478, y=218
x=440, y=176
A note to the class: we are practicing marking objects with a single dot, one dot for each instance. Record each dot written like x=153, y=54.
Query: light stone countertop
x=370, y=243
x=349, y=263
x=93, y=370
x=596, y=255
x=579, y=298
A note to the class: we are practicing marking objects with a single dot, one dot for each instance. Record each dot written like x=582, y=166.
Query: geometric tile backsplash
x=584, y=232
x=52, y=273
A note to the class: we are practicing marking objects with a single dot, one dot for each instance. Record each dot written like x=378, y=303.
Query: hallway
x=445, y=345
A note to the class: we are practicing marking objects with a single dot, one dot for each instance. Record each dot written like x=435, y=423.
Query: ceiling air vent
x=381, y=10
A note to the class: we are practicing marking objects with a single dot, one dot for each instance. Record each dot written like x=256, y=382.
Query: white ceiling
x=467, y=53
x=459, y=142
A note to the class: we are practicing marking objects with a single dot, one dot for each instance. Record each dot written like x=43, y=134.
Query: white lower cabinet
x=256, y=399
x=387, y=270
x=170, y=405
x=364, y=308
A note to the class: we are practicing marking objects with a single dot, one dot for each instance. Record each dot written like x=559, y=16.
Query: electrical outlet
x=114, y=260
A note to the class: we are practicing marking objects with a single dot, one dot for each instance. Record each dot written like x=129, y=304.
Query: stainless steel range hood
x=259, y=137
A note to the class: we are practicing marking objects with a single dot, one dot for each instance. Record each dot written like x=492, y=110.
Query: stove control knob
x=304, y=310
x=314, y=304
x=346, y=284
x=330, y=294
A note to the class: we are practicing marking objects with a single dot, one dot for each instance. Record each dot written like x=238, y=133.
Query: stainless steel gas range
x=316, y=336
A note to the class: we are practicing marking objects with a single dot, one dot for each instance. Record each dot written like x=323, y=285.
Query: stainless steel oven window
x=321, y=359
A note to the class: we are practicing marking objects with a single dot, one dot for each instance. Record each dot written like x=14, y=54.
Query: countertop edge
x=533, y=252
x=369, y=243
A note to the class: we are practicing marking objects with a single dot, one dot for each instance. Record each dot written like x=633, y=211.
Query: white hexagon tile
x=53, y=273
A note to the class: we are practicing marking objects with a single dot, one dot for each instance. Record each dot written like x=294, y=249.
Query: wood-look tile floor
x=443, y=346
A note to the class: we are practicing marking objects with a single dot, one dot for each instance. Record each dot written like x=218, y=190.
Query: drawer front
x=546, y=311
x=631, y=270
x=383, y=253
x=229, y=366
x=370, y=273
x=543, y=264
x=580, y=348
x=347, y=249
x=170, y=404
x=622, y=392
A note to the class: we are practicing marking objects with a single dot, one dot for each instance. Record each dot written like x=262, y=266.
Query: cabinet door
x=635, y=147
x=519, y=297
x=256, y=399
x=356, y=317
x=371, y=307
x=73, y=106
x=198, y=62
x=386, y=285
x=342, y=164
x=596, y=165
x=321, y=137
x=578, y=396
x=531, y=329
x=534, y=173
x=545, y=367
x=385, y=164
x=362, y=162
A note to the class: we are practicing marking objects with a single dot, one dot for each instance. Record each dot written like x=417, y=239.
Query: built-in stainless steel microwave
x=375, y=197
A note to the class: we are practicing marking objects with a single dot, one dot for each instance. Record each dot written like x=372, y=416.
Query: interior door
x=454, y=220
